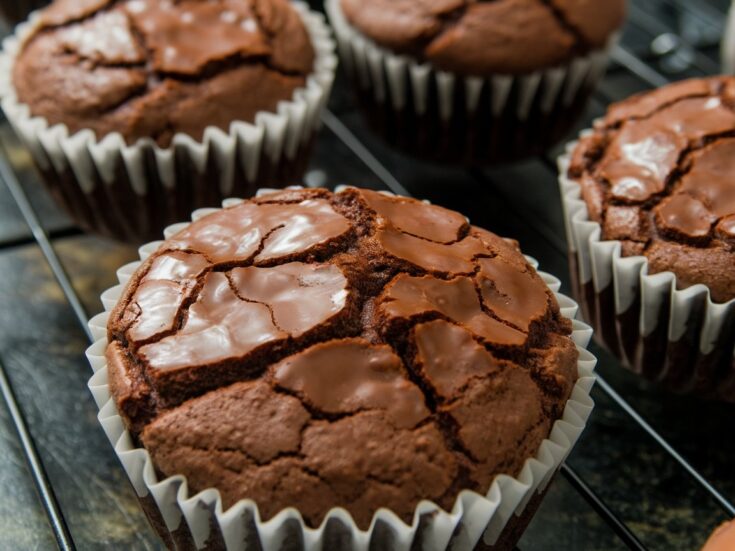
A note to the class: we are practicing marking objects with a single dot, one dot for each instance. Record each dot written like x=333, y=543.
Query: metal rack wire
x=627, y=61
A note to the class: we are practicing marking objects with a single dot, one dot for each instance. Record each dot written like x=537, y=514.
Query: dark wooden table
x=631, y=481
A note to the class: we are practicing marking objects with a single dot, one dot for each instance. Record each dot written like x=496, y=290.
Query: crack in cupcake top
x=148, y=68
x=294, y=306
x=486, y=37
x=657, y=173
x=176, y=34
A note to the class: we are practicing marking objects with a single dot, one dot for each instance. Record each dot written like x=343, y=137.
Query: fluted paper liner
x=391, y=77
x=473, y=516
x=275, y=136
x=694, y=326
x=728, y=43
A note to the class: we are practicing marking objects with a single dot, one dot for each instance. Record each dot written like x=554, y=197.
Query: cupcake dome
x=649, y=199
x=478, y=38
x=474, y=83
x=658, y=174
x=151, y=69
x=316, y=350
x=138, y=112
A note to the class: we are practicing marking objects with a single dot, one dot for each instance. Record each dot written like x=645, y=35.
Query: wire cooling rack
x=653, y=470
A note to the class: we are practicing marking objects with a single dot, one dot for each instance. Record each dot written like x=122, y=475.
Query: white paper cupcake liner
x=728, y=43
x=473, y=516
x=670, y=334
x=275, y=138
x=393, y=77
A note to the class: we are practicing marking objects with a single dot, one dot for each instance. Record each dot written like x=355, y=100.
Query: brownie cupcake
x=650, y=205
x=15, y=11
x=474, y=82
x=722, y=539
x=366, y=366
x=137, y=112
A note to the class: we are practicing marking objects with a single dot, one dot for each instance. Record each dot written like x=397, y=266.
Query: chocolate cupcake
x=474, y=82
x=722, y=539
x=15, y=11
x=352, y=363
x=138, y=112
x=650, y=204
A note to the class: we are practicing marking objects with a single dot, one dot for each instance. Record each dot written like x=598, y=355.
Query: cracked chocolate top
x=658, y=173
x=479, y=37
x=154, y=68
x=317, y=350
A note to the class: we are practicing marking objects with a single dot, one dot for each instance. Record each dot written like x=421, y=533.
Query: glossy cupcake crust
x=480, y=38
x=150, y=68
x=658, y=174
x=317, y=350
